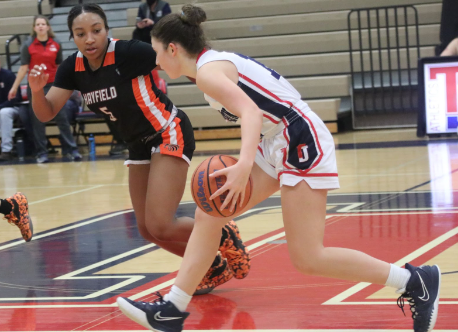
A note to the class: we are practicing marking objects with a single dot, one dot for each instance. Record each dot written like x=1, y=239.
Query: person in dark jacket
x=149, y=13
x=9, y=111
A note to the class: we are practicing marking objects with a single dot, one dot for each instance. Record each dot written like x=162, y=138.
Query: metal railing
x=40, y=10
x=8, y=53
x=383, y=46
x=9, y=62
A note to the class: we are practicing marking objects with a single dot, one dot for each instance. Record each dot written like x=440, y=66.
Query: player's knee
x=306, y=263
x=145, y=234
x=200, y=215
x=161, y=231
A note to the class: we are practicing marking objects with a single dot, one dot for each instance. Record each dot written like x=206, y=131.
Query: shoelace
x=159, y=300
x=410, y=300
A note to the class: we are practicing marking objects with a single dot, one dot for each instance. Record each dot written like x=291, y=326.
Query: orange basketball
x=202, y=186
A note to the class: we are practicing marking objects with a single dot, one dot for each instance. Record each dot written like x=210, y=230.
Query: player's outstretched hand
x=38, y=77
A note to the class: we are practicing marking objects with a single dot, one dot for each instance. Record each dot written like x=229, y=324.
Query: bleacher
x=304, y=40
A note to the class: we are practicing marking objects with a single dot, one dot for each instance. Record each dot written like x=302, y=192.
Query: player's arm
x=218, y=79
x=46, y=107
x=451, y=49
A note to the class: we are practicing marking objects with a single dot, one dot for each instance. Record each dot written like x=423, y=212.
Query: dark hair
x=183, y=29
x=151, y=2
x=85, y=8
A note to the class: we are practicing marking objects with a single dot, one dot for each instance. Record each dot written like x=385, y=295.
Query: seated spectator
x=43, y=48
x=9, y=111
x=72, y=106
x=148, y=14
x=451, y=49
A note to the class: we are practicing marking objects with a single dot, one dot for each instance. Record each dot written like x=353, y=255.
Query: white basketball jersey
x=271, y=92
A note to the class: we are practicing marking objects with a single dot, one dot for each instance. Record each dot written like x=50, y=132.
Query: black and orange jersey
x=122, y=88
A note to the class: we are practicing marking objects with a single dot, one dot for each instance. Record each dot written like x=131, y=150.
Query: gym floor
x=396, y=202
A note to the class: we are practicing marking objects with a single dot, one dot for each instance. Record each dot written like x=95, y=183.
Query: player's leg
x=200, y=251
x=138, y=185
x=304, y=228
x=204, y=240
x=166, y=184
x=304, y=215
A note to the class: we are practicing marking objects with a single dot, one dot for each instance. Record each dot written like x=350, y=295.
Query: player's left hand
x=38, y=77
x=236, y=180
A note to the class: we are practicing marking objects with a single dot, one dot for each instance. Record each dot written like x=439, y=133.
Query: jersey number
x=105, y=110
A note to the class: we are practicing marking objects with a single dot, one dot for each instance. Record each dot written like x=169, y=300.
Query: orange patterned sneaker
x=19, y=215
x=233, y=249
x=218, y=274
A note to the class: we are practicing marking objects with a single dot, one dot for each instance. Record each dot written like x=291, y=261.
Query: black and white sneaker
x=160, y=315
x=422, y=294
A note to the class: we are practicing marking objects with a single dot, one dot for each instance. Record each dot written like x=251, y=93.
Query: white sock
x=398, y=277
x=179, y=298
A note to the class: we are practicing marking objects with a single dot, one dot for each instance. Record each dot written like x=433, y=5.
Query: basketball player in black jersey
x=114, y=78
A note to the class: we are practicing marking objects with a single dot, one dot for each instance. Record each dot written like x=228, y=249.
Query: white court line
x=251, y=247
x=73, y=276
x=170, y=282
x=337, y=300
x=60, y=230
x=136, y=296
x=67, y=194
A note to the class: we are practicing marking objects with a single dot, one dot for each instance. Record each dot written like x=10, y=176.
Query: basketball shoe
x=19, y=215
x=233, y=249
x=218, y=274
x=160, y=315
x=422, y=294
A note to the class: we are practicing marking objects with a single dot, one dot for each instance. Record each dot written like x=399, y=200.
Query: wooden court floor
x=398, y=202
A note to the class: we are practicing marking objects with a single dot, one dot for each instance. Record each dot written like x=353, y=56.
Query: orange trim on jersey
x=159, y=105
x=168, y=148
x=79, y=64
x=109, y=59
x=145, y=109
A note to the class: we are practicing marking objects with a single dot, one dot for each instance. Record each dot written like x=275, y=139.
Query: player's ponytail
x=183, y=28
x=193, y=15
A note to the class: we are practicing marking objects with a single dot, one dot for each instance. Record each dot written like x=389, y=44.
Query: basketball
x=202, y=186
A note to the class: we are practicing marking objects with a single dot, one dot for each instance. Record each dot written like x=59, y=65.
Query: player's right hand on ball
x=38, y=77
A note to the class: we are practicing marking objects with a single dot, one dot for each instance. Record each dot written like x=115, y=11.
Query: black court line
x=425, y=183
x=344, y=146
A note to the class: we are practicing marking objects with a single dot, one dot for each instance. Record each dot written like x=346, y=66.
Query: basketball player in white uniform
x=295, y=154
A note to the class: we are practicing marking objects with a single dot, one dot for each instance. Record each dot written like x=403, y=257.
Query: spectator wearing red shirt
x=43, y=48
